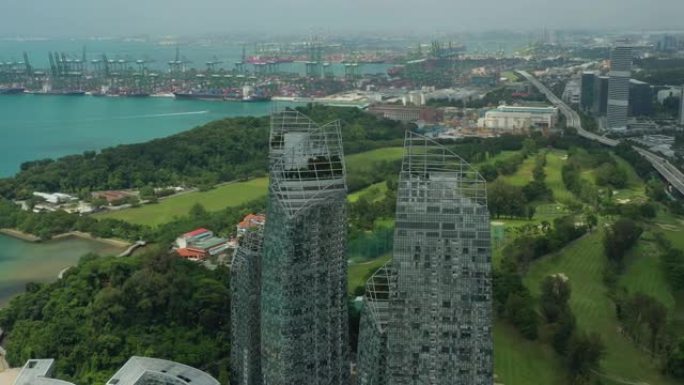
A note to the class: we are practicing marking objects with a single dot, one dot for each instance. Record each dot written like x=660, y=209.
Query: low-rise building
x=39, y=372
x=154, y=371
x=249, y=222
x=519, y=118
x=200, y=244
x=136, y=371
x=407, y=113
x=114, y=196
x=55, y=198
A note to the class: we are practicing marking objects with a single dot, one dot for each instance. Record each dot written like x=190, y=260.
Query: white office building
x=618, y=88
x=520, y=118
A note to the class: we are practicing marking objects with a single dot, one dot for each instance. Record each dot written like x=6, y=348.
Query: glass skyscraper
x=618, y=88
x=245, y=287
x=427, y=317
x=304, y=324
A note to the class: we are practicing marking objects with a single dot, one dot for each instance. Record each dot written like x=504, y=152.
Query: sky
x=88, y=18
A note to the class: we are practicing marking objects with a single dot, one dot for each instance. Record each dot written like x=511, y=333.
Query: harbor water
x=22, y=262
x=37, y=127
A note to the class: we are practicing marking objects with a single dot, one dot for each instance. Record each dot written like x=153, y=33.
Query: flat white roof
x=174, y=373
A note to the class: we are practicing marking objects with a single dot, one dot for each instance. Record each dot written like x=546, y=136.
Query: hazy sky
x=80, y=18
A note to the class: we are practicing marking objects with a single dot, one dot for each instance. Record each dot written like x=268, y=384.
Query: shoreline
x=17, y=234
x=14, y=233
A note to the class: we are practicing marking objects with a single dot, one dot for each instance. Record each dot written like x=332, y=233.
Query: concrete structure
x=245, y=287
x=155, y=371
x=640, y=99
x=428, y=312
x=600, y=96
x=136, y=371
x=304, y=320
x=618, y=88
x=406, y=113
x=38, y=372
x=587, y=91
x=520, y=118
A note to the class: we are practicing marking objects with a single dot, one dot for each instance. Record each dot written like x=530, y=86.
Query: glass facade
x=245, y=285
x=304, y=324
x=437, y=319
x=618, y=87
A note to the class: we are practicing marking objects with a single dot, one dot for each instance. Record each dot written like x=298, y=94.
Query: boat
x=256, y=98
x=11, y=90
x=60, y=93
x=199, y=95
x=136, y=94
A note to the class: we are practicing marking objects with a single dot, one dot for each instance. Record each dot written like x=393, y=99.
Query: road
x=668, y=171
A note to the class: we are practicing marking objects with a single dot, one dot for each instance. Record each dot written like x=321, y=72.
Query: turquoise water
x=23, y=262
x=36, y=127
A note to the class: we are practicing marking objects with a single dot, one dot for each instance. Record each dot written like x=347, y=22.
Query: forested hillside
x=107, y=309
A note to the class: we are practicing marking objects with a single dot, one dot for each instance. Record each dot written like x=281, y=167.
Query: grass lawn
x=554, y=163
x=365, y=160
x=583, y=262
x=229, y=195
x=643, y=273
x=524, y=174
x=518, y=361
x=358, y=273
x=502, y=156
x=510, y=75
x=374, y=192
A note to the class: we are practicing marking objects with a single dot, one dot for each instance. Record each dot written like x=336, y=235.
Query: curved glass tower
x=245, y=287
x=304, y=332
x=431, y=322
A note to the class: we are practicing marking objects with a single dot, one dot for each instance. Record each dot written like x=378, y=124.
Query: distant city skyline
x=81, y=18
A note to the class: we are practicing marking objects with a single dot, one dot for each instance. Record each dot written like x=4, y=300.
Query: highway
x=668, y=171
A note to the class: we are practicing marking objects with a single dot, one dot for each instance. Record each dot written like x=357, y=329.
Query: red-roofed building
x=250, y=221
x=196, y=233
x=192, y=254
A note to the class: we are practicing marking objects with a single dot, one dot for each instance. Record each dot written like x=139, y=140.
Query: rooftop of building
x=528, y=109
x=208, y=243
x=171, y=372
x=195, y=233
x=638, y=82
x=38, y=372
x=251, y=220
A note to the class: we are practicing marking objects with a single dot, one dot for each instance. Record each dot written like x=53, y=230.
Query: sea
x=40, y=126
x=23, y=262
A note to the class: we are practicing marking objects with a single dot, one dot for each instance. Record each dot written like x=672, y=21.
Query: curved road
x=671, y=173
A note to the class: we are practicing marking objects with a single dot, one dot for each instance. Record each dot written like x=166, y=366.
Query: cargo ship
x=60, y=93
x=11, y=90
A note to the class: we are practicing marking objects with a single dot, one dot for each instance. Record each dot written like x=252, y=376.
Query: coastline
x=14, y=233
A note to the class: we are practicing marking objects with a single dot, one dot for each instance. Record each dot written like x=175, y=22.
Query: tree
x=674, y=365
x=197, y=211
x=619, y=238
x=506, y=200
x=609, y=174
x=520, y=311
x=489, y=172
x=585, y=352
x=555, y=294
